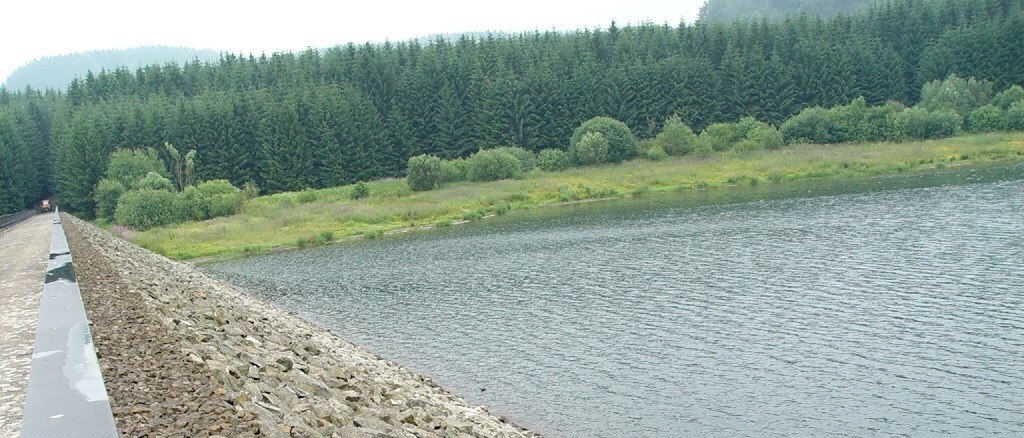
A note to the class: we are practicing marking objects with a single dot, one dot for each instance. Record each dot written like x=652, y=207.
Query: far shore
x=300, y=219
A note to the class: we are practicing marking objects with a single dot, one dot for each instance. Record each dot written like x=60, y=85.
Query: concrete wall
x=66, y=395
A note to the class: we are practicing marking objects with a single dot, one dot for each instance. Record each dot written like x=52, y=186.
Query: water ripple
x=894, y=312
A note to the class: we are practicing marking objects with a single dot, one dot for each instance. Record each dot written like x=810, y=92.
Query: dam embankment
x=183, y=353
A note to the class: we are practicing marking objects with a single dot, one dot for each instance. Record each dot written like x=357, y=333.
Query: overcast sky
x=34, y=29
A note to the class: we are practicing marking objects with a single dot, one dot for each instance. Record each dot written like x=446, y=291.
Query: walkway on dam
x=23, y=257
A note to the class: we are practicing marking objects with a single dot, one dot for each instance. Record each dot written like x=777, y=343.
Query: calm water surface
x=890, y=306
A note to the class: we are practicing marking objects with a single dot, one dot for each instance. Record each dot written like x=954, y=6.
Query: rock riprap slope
x=184, y=354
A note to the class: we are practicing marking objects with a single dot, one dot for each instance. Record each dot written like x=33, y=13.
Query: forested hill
x=59, y=71
x=729, y=10
x=318, y=119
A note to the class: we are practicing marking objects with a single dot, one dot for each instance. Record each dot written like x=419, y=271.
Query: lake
x=877, y=306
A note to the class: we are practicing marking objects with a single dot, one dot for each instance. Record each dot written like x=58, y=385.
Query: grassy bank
x=320, y=216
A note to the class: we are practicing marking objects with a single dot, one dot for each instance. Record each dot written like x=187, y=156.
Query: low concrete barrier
x=66, y=395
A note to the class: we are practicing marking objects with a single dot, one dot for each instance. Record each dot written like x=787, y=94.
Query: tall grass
x=282, y=220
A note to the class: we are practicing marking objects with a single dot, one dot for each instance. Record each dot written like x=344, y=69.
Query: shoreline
x=282, y=221
x=265, y=370
x=208, y=260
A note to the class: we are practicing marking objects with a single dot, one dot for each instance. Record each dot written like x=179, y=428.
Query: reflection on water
x=852, y=312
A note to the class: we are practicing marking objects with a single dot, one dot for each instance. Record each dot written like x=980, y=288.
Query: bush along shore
x=314, y=217
x=184, y=354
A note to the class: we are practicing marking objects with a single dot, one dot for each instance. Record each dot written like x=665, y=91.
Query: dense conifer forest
x=288, y=121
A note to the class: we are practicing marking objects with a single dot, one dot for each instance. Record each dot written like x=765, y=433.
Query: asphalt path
x=23, y=256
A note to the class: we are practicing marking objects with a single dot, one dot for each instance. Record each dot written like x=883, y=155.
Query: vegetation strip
x=318, y=216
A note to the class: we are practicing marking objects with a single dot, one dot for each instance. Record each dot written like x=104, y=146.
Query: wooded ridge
x=356, y=113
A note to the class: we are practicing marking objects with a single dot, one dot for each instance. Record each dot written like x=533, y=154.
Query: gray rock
x=285, y=363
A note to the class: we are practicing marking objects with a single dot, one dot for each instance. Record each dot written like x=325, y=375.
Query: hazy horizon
x=244, y=28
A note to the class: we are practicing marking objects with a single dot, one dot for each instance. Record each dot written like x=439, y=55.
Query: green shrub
x=492, y=165
x=190, y=202
x=878, y=125
x=527, y=159
x=502, y=209
x=306, y=196
x=622, y=144
x=216, y=187
x=912, y=124
x=988, y=118
x=147, y=208
x=719, y=137
x=842, y=124
x=223, y=199
x=760, y=136
x=1008, y=97
x=812, y=125
x=128, y=166
x=1015, y=117
x=703, y=150
x=155, y=181
x=423, y=172
x=108, y=191
x=747, y=134
x=920, y=124
x=453, y=170
x=955, y=94
x=676, y=138
x=224, y=205
x=655, y=153
x=946, y=124
x=592, y=148
x=553, y=160
x=847, y=121
x=211, y=199
x=359, y=191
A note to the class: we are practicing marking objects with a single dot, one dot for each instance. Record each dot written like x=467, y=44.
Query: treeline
x=58, y=71
x=729, y=10
x=25, y=153
x=290, y=121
